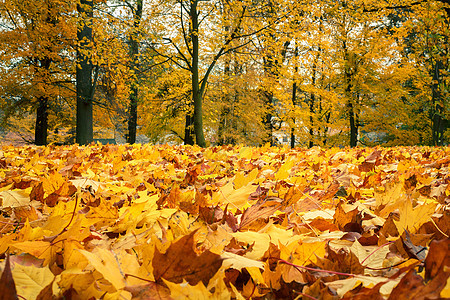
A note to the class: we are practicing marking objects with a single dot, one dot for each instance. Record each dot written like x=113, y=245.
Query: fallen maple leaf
x=7, y=285
x=262, y=209
x=31, y=280
x=180, y=261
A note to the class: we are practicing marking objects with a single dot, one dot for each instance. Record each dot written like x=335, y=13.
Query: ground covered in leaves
x=160, y=222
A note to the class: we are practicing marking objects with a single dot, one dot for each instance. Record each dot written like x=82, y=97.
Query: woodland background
x=302, y=73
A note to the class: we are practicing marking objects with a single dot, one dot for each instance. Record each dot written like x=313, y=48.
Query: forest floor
x=182, y=222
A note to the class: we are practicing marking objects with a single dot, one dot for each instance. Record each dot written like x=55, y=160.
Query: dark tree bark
x=41, y=127
x=353, y=124
x=267, y=119
x=134, y=53
x=84, y=84
x=189, y=130
x=197, y=92
x=311, y=105
x=40, y=131
x=294, y=101
x=349, y=71
x=437, y=110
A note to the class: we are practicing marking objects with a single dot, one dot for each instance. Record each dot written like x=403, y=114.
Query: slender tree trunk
x=268, y=102
x=196, y=93
x=311, y=110
x=41, y=127
x=132, y=118
x=348, y=92
x=438, y=109
x=84, y=85
x=267, y=119
x=353, y=126
x=40, y=132
x=294, y=91
x=351, y=114
x=312, y=102
x=189, y=130
x=294, y=100
x=225, y=110
x=134, y=53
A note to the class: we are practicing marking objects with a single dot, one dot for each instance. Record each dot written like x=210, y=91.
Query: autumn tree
x=198, y=48
x=427, y=24
x=430, y=50
x=35, y=50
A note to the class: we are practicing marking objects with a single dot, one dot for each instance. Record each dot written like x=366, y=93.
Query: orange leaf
x=181, y=262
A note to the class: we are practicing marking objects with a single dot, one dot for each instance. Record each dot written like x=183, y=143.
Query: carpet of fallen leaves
x=161, y=222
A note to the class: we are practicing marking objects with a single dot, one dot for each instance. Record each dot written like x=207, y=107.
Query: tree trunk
x=189, y=130
x=353, y=125
x=196, y=93
x=40, y=131
x=438, y=109
x=134, y=53
x=351, y=114
x=84, y=85
x=267, y=119
x=294, y=100
x=41, y=128
x=132, y=118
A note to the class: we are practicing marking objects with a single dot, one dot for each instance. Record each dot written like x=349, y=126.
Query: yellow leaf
x=52, y=182
x=345, y=285
x=86, y=182
x=106, y=263
x=72, y=257
x=307, y=253
x=411, y=219
x=445, y=293
x=236, y=198
x=231, y=260
x=284, y=171
x=80, y=280
x=370, y=256
x=185, y=291
x=240, y=180
x=14, y=198
x=259, y=242
x=279, y=235
x=40, y=249
x=255, y=273
x=30, y=280
x=29, y=233
x=236, y=293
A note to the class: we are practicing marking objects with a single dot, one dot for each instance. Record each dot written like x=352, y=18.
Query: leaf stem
x=388, y=243
x=313, y=269
x=305, y=295
x=131, y=275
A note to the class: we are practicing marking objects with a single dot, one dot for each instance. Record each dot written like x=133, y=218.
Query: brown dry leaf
x=180, y=261
x=345, y=214
x=263, y=209
x=412, y=250
x=150, y=290
x=363, y=293
x=438, y=259
x=412, y=286
x=7, y=285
